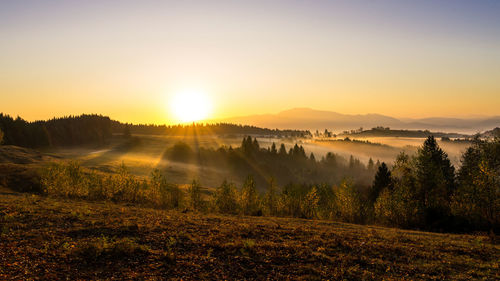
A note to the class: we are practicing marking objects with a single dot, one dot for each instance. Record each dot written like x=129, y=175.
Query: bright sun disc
x=191, y=106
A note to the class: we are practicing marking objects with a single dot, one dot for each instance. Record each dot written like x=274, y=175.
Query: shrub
x=225, y=199
x=271, y=198
x=249, y=198
x=104, y=247
x=310, y=204
x=66, y=180
x=194, y=196
x=71, y=180
x=180, y=152
x=327, y=201
x=349, y=205
x=164, y=194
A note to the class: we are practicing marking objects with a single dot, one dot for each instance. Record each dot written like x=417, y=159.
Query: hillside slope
x=58, y=239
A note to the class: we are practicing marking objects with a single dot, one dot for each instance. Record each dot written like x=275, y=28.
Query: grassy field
x=48, y=238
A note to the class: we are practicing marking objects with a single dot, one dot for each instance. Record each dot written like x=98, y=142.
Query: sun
x=191, y=106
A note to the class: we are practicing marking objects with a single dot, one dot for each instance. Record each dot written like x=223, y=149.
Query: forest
x=97, y=129
x=205, y=129
x=284, y=165
x=65, y=131
x=422, y=191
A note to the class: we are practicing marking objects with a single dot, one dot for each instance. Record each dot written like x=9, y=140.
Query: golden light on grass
x=191, y=106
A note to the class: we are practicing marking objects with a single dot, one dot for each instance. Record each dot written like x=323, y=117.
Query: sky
x=129, y=59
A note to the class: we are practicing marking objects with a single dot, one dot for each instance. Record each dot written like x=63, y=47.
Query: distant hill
x=384, y=132
x=491, y=133
x=310, y=119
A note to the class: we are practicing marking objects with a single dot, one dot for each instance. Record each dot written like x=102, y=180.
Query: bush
x=180, y=152
x=70, y=180
x=225, y=199
x=349, y=204
x=271, y=199
x=194, y=196
x=310, y=204
x=249, y=198
x=104, y=247
x=162, y=193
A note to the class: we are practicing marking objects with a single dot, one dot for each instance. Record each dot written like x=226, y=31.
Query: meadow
x=48, y=238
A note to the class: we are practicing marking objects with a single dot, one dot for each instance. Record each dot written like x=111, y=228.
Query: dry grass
x=45, y=238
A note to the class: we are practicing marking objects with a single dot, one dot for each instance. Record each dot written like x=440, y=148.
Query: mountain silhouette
x=311, y=119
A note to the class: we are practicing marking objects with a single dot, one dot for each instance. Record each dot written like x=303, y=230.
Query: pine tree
x=282, y=150
x=312, y=158
x=371, y=165
x=255, y=145
x=247, y=146
x=351, y=162
x=382, y=181
x=273, y=149
x=435, y=180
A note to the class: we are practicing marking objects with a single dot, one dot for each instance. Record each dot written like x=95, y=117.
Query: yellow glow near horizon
x=191, y=106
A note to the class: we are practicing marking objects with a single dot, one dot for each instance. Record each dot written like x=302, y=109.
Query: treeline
x=205, y=129
x=284, y=164
x=97, y=129
x=70, y=180
x=65, y=131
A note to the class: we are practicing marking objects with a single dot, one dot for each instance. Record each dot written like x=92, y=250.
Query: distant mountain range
x=310, y=119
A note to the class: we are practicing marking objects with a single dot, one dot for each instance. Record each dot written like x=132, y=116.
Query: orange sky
x=127, y=59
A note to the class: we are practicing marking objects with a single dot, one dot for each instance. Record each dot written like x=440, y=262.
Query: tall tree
x=382, y=181
x=435, y=180
x=282, y=150
x=273, y=149
x=477, y=199
x=312, y=157
x=371, y=165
